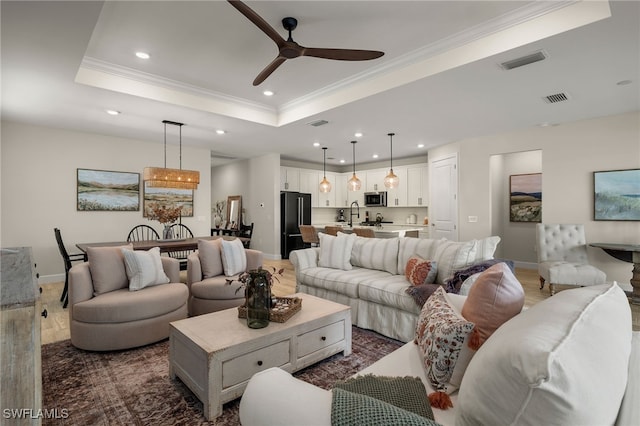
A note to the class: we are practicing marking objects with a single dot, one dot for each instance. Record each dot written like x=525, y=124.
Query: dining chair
x=142, y=233
x=68, y=259
x=181, y=231
x=332, y=230
x=246, y=231
x=309, y=235
x=364, y=232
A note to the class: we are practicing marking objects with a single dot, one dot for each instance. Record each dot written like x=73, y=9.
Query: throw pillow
x=440, y=335
x=453, y=256
x=209, y=253
x=144, y=268
x=106, y=265
x=564, y=360
x=234, y=258
x=420, y=271
x=454, y=284
x=375, y=253
x=335, y=252
x=496, y=297
x=421, y=293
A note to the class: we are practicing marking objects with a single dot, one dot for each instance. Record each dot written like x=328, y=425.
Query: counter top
x=385, y=231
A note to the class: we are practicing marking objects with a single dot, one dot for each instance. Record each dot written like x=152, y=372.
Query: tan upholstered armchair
x=562, y=257
x=207, y=281
x=104, y=314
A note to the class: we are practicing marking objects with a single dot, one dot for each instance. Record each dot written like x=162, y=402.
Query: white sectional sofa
x=373, y=282
x=571, y=359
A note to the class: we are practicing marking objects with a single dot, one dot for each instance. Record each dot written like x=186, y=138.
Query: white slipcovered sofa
x=571, y=359
x=368, y=274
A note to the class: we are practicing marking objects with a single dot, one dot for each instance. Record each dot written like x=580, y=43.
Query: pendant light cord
x=165, y=145
x=354, y=157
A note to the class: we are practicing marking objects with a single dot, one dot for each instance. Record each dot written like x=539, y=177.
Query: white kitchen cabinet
x=397, y=197
x=309, y=182
x=289, y=179
x=341, y=192
x=417, y=186
x=327, y=199
x=375, y=180
x=357, y=195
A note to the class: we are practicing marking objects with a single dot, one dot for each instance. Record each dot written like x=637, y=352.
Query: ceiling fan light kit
x=391, y=180
x=162, y=177
x=354, y=183
x=325, y=185
x=289, y=49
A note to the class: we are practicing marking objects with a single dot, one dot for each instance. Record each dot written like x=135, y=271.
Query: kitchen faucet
x=351, y=212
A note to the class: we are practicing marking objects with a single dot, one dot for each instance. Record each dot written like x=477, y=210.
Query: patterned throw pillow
x=420, y=271
x=440, y=335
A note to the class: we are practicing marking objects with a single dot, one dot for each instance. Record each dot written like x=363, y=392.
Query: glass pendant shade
x=325, y=185
x=391, y=180
x=162, y=177
x=354, y=183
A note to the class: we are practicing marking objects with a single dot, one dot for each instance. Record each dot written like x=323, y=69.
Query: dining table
x=165, y=245
x=627, y=253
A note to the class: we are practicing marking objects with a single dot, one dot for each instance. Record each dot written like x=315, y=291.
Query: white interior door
x=443, y=203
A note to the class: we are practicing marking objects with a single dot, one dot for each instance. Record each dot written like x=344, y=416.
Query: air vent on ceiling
x=221, y=156
x=558, y=97
x=318, y=123
x=524, y=60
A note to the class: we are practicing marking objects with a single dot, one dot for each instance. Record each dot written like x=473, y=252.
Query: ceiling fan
x=289, y=49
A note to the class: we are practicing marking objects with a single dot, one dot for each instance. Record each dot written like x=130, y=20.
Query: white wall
x=39, y=189
x=570, y=154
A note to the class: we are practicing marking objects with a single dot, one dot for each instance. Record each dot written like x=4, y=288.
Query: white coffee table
x=216, y=354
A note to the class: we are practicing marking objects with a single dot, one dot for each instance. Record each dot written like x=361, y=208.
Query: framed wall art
x=102, y=190
x=168, y=197
x=525, y=197
x=616, y=195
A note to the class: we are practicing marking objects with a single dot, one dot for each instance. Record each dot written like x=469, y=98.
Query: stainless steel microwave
x=375, y=199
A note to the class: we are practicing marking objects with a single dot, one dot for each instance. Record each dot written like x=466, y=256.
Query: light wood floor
x=56, y=326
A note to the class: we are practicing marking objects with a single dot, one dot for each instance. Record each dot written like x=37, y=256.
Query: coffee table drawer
x=241, y=368
x=320, y=338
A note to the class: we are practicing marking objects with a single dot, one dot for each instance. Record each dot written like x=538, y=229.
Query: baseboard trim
x=50, y=279
x=525, y=265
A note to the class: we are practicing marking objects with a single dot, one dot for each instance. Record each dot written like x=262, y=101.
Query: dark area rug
x=133, y=387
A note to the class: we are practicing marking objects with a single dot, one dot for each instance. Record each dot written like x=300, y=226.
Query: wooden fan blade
x=342, y=54
x=268, y=70
x=258, y=21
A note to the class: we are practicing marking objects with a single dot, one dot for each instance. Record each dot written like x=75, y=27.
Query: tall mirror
x=234, y=211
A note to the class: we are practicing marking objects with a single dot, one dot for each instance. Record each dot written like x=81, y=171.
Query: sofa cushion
x=217, y=288
x=335, y=251
x=107, y=268
x=564, y=360
x=453, y=256
x=409, y=246
x=496, y=297
x=420, y=271
x=123, y=305
x=485, y=248
x=388, y=291
x=339, y=281
x=144, y=268
x=234, y=258
x=375, y=253
x=440, y=334
x=210, y=255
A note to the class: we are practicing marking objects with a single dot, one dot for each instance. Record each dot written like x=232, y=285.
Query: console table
x=627, y=253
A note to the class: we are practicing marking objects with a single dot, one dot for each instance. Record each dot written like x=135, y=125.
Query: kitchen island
x=386, y=230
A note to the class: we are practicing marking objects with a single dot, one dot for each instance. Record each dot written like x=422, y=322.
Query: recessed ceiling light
x=375, y=155
x=358, y=135
x=268, y=93
x=112, y=112
x=143, y=55
x=220, y=132
x=420, y=145
x=316, y=144
x=342, y=161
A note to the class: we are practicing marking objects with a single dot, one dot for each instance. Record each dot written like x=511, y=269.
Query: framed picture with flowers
x=168, y=198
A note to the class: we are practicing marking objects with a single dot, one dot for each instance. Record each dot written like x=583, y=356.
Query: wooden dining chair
x=142, y=233
x=309, y=235
x=68, y=259
x=246, y=231
x=364, y=232
x=332, y=230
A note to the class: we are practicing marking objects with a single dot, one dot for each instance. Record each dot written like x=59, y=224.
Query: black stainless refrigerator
x=295, y=210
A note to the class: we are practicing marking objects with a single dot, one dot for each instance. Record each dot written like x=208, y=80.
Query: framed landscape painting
x=616, y=195
x=525, y=198
x=168, y=197
x=102, y=190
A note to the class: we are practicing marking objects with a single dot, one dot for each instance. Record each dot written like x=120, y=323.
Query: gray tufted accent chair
x=562, y=257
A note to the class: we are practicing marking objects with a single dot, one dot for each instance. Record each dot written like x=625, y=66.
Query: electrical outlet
x=473, y=219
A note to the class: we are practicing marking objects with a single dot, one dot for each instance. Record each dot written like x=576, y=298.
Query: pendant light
x=158, y=177
x=391, y=180
x=354, y=183
x=325, y=185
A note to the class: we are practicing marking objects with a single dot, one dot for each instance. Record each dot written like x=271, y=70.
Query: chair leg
x=541, y=283
x=552, y=289
x=64, y=298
